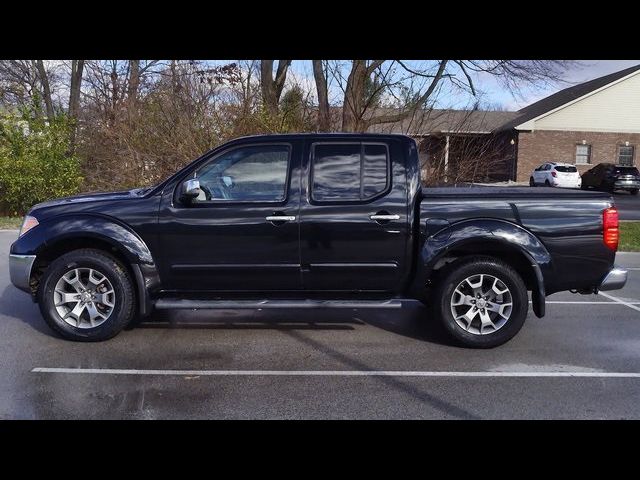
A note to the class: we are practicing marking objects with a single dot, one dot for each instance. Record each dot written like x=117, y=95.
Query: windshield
x=564, y=169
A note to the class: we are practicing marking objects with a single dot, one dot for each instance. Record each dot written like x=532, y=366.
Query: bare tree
x=77, y=67
x=20, y=84
x=369, y=80
x=134, y=84
x=46, y=87
x=320, y=76
x=272, y=87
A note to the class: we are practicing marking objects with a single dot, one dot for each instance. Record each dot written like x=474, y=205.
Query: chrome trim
x=280, y=218
x=614, y=280
x=385, y=217
x=20, y=270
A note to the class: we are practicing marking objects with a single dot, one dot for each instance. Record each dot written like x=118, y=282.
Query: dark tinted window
x=564, y=169
x=349, y=172
x=336, y=172
x=627, y=170
x=375, y=170
x=625, y=155
x=247, y=174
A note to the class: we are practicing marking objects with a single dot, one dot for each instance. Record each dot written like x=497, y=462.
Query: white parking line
x=332, y=373
x=560, y=302
x=620, y=301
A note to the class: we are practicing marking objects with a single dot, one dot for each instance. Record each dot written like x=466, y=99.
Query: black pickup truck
x=314, y=220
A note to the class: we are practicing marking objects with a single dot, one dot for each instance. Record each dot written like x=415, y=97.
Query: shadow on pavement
x=409, y=321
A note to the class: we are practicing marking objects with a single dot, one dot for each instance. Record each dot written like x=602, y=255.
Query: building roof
x=428, y=122
x=565, y=96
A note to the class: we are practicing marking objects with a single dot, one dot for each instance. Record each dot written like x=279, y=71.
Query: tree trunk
x=46, y=88
x=324, y=117
x=134, y=84
x=272, y=88
x=352, y=107
x=77, y=66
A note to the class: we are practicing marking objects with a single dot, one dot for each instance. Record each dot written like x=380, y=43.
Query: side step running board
x=174, y=303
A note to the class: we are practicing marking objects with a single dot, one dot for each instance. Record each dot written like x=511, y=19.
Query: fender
x=51, y=231
x=502, y=233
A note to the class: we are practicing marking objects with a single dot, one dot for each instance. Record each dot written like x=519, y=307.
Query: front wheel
x=532, y=183
x=86, y=295
x=633, y=191
x=482, y=302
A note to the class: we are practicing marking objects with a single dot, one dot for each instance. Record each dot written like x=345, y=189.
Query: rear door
x=353, y=216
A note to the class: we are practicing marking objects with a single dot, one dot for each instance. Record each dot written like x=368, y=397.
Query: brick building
x=590, y=123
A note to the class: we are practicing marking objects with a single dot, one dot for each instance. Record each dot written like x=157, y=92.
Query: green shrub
x=35, y=162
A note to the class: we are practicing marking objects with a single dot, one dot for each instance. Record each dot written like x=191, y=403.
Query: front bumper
x=20, y=270
x=614, y=280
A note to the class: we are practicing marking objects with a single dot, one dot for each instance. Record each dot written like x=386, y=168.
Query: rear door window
x=349, y=172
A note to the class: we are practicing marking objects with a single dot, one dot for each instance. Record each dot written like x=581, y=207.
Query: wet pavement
x=252, y=364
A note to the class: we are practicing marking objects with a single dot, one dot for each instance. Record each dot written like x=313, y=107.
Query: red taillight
x=553, y=173
x=611, y=233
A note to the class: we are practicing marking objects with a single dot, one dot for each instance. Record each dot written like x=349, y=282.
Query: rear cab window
x=349, y=172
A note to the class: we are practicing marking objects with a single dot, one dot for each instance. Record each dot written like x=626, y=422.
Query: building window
x=625, y=155
x=583, y=154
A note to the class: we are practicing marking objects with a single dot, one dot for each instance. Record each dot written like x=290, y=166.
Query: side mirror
x=190, y=189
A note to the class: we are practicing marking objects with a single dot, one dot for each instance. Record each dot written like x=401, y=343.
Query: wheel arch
x=58, y=236
x=500, y=239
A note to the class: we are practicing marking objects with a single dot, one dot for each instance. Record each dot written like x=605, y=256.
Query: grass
x=10, y=223
x=629, y=237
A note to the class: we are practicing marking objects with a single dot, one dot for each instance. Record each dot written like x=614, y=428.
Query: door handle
x=280, y=218
x=384, y=217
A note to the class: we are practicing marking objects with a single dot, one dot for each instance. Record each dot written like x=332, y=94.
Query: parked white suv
x=555, y=174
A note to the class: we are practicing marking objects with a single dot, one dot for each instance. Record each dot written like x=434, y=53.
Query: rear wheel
x=86, y=295
x=531, y=182
x=482, y=302
x=546, y=183
x=633, y=191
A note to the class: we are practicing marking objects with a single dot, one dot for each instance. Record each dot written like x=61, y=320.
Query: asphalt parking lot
x=581, y=361
x=628, y=205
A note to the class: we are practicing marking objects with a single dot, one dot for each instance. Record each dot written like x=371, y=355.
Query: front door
x=242, y=232
x=353, y=216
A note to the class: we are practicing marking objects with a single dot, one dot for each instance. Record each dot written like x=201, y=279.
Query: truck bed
x=511, y=192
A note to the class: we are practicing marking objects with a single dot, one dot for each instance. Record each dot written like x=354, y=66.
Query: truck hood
x=91, y=197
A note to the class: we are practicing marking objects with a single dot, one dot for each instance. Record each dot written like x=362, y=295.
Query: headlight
x=28, y=223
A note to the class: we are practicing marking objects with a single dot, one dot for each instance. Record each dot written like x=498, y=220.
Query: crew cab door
x=241, y=232
x=353, y=216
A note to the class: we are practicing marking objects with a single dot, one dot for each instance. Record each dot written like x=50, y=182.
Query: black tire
x=633, y=191
x=531, y=182
x=450, y=278
x=546, y=183
x=584, y=186
x=124, y=305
